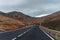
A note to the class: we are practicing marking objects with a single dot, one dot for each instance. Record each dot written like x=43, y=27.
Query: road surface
x=29, y=33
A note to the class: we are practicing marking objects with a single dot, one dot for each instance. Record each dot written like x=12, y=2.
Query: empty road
x=29, y=33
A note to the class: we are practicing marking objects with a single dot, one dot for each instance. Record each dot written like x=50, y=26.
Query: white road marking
x=47, y=34
x=29, y=30
x=22, y=34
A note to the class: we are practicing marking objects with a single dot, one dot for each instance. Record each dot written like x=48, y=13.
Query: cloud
x=42, y=15
x=30, y=7
x=31, y=12
x=12, y=2
x=42, y=7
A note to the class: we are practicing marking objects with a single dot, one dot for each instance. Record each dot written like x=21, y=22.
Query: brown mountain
x=52, y=21
x=27, y=20
x=14, y=20
x=7, y=24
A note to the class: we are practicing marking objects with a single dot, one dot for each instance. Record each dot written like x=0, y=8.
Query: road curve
x=29, y=33
x=35, y=33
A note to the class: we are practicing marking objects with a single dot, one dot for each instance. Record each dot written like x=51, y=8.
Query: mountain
x=2, y=13
x=7, y=24
x=27, y=20
x=52, y=21
x=14, y=20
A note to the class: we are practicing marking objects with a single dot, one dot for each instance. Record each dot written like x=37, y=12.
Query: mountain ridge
x=52, y=21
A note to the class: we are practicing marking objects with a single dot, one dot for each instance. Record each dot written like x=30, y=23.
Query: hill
x=52, y=21
x=27, y=20
x=7, y=24
x=14, y=20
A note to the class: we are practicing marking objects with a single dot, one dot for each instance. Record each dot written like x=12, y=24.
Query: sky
x=30, y=7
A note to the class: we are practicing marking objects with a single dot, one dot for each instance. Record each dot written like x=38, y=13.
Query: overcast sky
x=30, y=7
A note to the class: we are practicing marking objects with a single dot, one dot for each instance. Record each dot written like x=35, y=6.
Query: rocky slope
x=52, y=21
x=27, y=20
x=7, y=24
x=14, y=20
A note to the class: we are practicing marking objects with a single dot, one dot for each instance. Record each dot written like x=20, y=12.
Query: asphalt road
x=29, y=33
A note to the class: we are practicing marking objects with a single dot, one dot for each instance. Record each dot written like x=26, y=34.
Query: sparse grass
x=58, y=38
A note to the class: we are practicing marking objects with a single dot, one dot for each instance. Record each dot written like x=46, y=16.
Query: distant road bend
x=30, y=33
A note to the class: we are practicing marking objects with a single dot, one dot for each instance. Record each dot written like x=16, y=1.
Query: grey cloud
x=35, y=7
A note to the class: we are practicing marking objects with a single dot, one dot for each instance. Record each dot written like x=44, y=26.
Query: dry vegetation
x=14, y=20
x=52, y=21
x=7, y=24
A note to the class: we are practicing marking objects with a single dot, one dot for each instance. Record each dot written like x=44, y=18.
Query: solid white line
x=22, y=33
x=29, y=30
x=47, y=34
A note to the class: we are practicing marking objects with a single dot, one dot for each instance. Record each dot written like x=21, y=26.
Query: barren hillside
x=21, y=17
x=52, y=21
x=7, y=24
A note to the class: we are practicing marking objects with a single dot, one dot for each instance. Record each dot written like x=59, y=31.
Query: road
x=29, y=33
